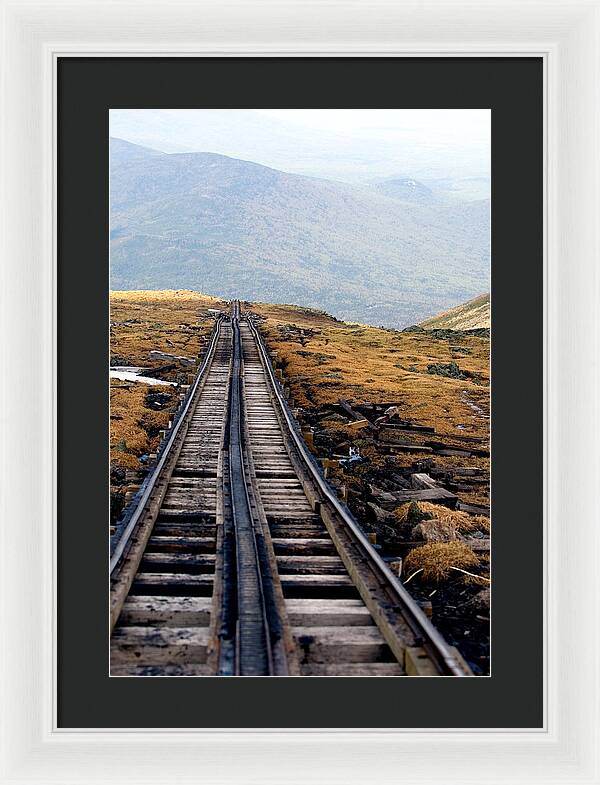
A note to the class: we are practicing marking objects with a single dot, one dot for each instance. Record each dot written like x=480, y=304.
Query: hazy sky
x=465, y=126
x=348, y=144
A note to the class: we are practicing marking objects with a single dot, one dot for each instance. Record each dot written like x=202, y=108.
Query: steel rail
x=433, y=641
x=249, y=625
x=251, y=651
x=122, y=542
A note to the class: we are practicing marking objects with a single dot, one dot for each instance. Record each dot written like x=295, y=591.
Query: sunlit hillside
x=472, y=315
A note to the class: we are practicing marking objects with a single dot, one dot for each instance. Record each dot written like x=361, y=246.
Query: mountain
x=407, y=190
x=468, y=316
x=234, y=228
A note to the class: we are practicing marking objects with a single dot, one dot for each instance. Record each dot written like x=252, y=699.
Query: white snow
x=129, y=376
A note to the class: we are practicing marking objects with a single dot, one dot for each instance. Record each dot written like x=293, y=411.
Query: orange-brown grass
x=479, y=494
x=167, y=321
x=436, y=560
x=460, y=521
x=362, y=363
x=325, y=360
x=133, y=427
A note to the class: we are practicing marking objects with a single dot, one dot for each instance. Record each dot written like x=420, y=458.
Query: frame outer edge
x=32, y=751
x=574, y=346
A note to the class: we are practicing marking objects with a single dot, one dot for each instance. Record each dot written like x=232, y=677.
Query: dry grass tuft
x=425, y=511
x=436, y=560
x=481, y=522
x=475, y=580
x=411, y=512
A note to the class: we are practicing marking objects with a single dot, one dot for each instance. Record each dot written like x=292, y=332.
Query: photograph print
x=299, y=381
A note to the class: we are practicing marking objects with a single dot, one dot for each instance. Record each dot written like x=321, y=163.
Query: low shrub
x=436, y=560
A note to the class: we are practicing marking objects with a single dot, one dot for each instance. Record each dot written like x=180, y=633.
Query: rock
x=451, y=370
x=331, y=418
x=157, y=399
x=414, y=514
x=478, y=544
x=399, y=481
x=118, y=360
x=423, y=465
x=414, y=328
x=117, y=502
x=434, y=531
x=481, y=601
x=156, y=355
x=381, y=515
x=117, y=475
x=421, y=481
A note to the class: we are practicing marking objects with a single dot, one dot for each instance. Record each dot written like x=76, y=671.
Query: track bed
x=243, y=562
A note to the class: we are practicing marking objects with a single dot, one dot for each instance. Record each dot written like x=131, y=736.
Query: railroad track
x=237, y=558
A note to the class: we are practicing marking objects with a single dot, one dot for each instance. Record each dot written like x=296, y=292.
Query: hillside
x=468, y=316
x=318, y=356
x=421, y=403
x=238, y=229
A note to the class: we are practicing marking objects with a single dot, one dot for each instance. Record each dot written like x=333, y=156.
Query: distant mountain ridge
x=239, y=229
x=471, y=315
x=407, y=189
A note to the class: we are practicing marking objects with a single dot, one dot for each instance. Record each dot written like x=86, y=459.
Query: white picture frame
x=566, y=33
